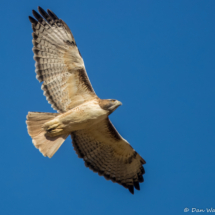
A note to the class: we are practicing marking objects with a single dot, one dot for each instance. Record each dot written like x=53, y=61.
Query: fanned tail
x=47, y=145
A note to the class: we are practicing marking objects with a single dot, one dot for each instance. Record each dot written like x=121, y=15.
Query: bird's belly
x=81, y=117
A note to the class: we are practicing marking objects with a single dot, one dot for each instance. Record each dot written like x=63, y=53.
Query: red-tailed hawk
x=81, y=113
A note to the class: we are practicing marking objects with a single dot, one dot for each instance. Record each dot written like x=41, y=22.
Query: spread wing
x=106, y=152
x=59, y=64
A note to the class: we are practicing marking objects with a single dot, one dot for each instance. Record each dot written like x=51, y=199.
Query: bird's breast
x=82, y=116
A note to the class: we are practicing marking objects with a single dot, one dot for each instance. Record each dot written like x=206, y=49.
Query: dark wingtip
x=32, y=20
x=34, y=12
x=137, y=185
x=43, y=12
x=37, y=16
x=39, y=8
x=131, y=189
x=52, y=14
x=142, y=161
x=142, y=170
x=140, y=178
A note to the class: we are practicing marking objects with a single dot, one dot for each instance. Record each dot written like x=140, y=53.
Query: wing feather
x=107, y=153
x=59, y=64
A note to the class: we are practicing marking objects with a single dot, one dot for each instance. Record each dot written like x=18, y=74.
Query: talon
x=50, y=126
x=57, y=130
x=54, y=132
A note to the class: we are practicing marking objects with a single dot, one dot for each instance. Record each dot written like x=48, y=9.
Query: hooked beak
x=119, y=103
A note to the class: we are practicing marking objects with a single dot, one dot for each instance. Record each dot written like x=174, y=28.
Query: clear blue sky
x=158, y=58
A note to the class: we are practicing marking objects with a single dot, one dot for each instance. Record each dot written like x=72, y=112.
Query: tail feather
x=47, y=145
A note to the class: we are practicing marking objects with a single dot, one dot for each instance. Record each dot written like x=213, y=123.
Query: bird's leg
x=53, y=128
x=55, y=132
x=50, y=125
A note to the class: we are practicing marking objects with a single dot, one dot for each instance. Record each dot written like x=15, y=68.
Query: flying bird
x=81, y=113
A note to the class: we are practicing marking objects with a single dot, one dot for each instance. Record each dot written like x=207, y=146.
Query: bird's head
x=109, y=104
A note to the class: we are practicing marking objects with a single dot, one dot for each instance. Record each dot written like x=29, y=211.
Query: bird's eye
x=113, y=100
